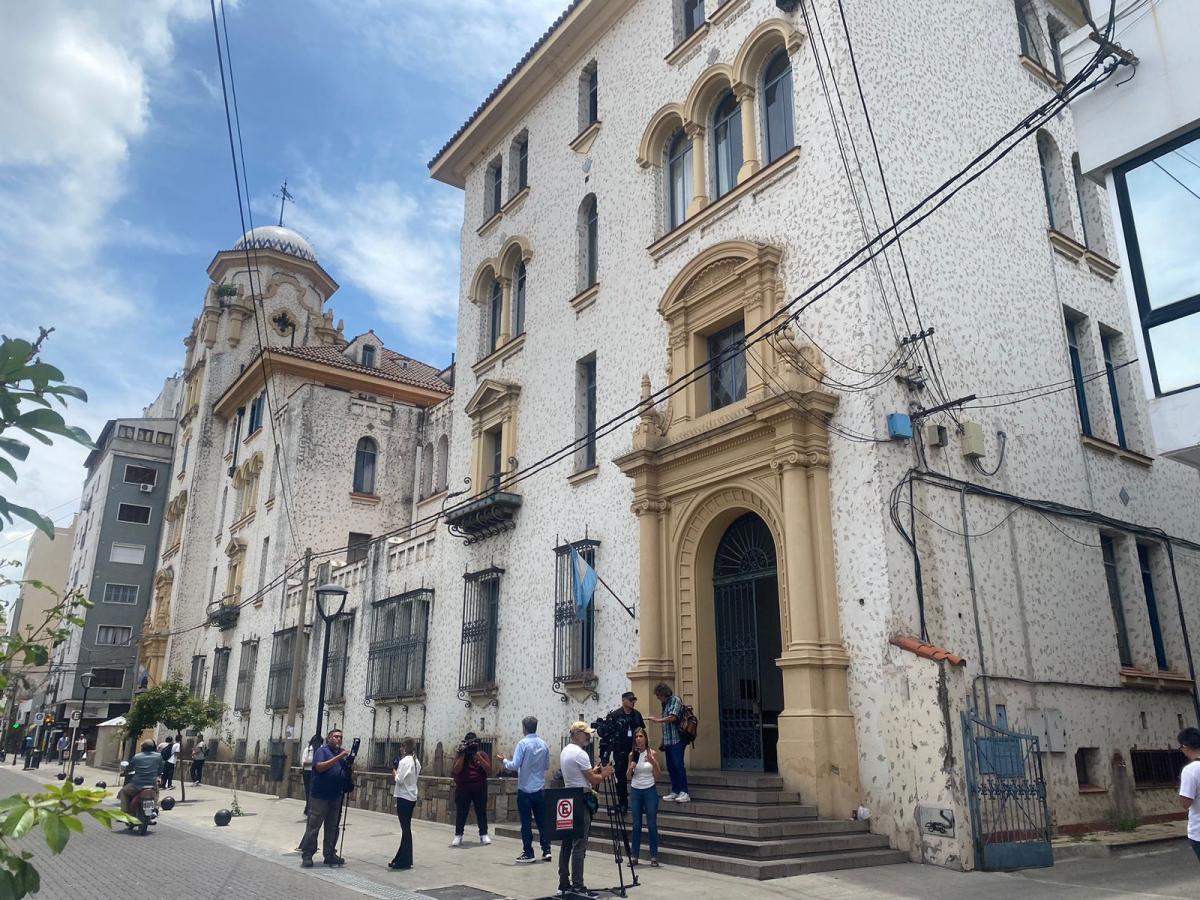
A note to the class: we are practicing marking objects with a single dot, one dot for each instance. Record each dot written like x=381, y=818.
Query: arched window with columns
x=726, y=143
x=679, y=178
x=777, y=107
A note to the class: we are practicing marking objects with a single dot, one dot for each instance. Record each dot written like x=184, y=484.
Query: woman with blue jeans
x=644, y=769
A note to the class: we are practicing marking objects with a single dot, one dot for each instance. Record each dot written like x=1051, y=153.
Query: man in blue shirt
x=330, y=781
x=530, y=762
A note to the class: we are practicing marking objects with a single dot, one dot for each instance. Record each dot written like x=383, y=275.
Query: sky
x=116, y=184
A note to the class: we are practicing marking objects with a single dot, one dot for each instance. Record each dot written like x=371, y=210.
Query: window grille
x=247, y=663
x=385, y=752
x=120, y=593
x=339, y=646
x=477, y=656
x=396, y=662
x=220, y=672
x=574, y=640
x=279, y=680
x=1157, y=768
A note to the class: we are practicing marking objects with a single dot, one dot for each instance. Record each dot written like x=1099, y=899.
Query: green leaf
x=7, y=468
x=56, y=833
x=33, y=518
x=8, y=886
x=14, y=448
x=41, y=374
x=10, y=823
x=14, y=353
x=73, y=822
x=24, y=823
x=42, y=419
x=68, y=390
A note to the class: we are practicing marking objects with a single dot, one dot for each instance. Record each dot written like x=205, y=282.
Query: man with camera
x=331, y=779
x=578, y=772
x=471, y=769
x=621, y=724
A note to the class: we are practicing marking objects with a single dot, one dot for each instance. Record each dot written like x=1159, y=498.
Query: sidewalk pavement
x=271, y=829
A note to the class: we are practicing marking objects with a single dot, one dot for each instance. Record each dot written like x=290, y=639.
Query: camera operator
x=624, y=721
x=471, y=769
x=330, y=780
x=578, y=772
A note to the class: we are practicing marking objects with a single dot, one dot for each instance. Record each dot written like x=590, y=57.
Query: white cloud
x=452, y=40
x=399, y=248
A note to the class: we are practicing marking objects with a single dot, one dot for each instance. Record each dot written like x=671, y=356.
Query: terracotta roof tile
x=507, y=78
x=391, y=365
x=928, y=651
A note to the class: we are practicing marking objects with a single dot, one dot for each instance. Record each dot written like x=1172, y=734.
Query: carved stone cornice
x=649, y=506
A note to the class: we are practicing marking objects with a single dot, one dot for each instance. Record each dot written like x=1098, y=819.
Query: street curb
x=1098, y=850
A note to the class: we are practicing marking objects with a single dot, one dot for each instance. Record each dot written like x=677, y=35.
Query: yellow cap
x=582, y=726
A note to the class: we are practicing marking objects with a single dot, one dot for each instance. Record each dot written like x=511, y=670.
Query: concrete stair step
x=717, y=778
x=761, y=812
x=734, y=794
x=762, y=870
x=750, y=829
x=749, y=848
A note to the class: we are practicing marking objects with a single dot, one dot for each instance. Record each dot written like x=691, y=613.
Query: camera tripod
x=618, y=832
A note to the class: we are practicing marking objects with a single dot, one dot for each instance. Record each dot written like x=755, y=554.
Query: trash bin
x=35, y=758
x=278, y=765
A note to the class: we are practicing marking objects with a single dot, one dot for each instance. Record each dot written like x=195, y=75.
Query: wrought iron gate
x=1010, y=819
x=745, y=556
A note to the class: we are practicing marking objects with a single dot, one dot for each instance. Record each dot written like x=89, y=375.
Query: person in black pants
x=626, y=720
x=471, y=769
x=405, y=774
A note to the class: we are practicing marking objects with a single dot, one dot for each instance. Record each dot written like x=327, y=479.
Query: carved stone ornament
x=649, y=505
x=652, y=423
x=711, y=274
x=800, y=365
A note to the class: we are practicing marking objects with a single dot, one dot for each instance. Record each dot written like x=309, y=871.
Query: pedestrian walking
x=306, y=768
x=1189, y=784
x=471, y=769
x=330, y=781
x=199, y=756
x=625, y=720
x=578, y=772
x=170, y=755
x=530, y=761
x=64, y=744
x=80, y=748
x=644, y=769
x=405, y=775
x=673, y=745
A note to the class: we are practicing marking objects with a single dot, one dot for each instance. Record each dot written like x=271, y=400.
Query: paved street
x=188, y=858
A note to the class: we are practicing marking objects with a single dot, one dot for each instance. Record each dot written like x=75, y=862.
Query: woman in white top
x=644, y=769
x=306, y=767
x=408, y=768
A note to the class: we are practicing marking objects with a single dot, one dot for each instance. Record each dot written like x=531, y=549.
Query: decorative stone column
x=654, y=662
x=695, y=131
x=744, y=94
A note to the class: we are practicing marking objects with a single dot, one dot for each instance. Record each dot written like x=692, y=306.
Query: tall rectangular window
x=396, y=661
x=1160, y=214
x=342, y=628
x=585, y=413
x=196, y=683
x=247, y=663
x=1111, y=576
x=1027, y=29
x=1114, y=394
x=262, y=563
x=1076, y=360
x=220, y=672
x=368, y=356
x=493, y=442
x=727, y=366
x=495, y=187
x=593, y=95
x=574, y=637
x=256, y=413
x=481, y=608
x=120, y=593
x=1160, y=650
x=279, y=677
x=693, y=16
x=357, y=546
x=523, y=164
x=1054, y=33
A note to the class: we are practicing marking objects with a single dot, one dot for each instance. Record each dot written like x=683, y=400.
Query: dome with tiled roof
x=278, y=238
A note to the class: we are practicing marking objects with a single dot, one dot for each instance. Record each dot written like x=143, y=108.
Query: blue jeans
x=532, y=808
x=676, y=769
x=644, y=799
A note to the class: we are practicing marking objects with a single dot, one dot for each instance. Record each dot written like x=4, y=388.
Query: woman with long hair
x=405, y=775
x=644, y=769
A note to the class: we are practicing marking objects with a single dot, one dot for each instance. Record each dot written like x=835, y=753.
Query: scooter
x=143, y=805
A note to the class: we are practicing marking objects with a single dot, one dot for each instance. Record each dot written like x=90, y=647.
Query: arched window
x=777, y=106
x=518, y=164
x=495, y=310
x=426, y=471
x=727, y=143
x=679, y=178
x=1091, y=210
x=518, y=313
x=1054, y=188
x=589, y=242
x=364, y=467
x=589, y=96
x=443, y=462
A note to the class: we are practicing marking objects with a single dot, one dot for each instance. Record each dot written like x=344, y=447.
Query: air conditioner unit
x=145, y=488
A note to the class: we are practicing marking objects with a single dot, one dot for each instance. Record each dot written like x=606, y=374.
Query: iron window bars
x=247, y=663
x=339, y=647
x=477, y=653
x=574, y=640
x=399, y=635
x=279, y=678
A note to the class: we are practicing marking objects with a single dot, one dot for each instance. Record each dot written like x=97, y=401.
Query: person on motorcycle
x=145, y=769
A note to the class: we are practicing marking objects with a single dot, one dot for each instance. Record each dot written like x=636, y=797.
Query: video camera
x=609, y=733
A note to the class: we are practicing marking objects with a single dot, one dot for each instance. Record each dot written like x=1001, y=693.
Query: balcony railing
x=224, y=612
x=489, y=514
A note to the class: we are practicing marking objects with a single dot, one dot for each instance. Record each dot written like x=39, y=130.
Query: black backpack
x=166, y=752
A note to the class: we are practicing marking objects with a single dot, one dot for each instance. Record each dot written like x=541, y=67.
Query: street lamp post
x=86, y=678
x=328, y=596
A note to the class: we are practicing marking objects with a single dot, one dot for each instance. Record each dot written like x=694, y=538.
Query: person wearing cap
x=578, y=772
x=626, y=720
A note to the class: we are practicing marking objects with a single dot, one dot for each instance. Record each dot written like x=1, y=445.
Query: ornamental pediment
x=490, y=395
x=235, y=547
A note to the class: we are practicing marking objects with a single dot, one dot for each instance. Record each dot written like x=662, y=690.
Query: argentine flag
x=583, y=583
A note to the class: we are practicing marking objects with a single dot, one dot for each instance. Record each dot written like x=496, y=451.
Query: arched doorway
x=748, y=641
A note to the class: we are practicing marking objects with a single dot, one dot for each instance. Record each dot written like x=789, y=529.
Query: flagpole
x=620, y=602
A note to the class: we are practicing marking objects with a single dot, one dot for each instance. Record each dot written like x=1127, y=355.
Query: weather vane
x=284, y=197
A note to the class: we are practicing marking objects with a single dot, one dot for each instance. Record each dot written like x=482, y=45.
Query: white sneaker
x=671, y=796
x=484, y=839
x=683, y=798
x=457, y=842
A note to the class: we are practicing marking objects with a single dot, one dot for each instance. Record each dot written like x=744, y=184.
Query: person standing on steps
x=626, y=721
x=578, y=772
x=673, y=745
x=408, y=769
x=644, y=769
x=530, y=761
x=1189, y=784
x=330, y=780
x=471, y=769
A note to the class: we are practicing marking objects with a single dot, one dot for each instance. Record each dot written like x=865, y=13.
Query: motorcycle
x=143, y=805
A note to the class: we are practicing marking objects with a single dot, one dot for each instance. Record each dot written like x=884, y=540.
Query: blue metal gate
x=1010, y=819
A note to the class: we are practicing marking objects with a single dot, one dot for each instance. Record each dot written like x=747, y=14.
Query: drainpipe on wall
x=987, y=702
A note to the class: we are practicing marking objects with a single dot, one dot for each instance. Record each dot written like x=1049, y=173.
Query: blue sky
x=116, y=186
